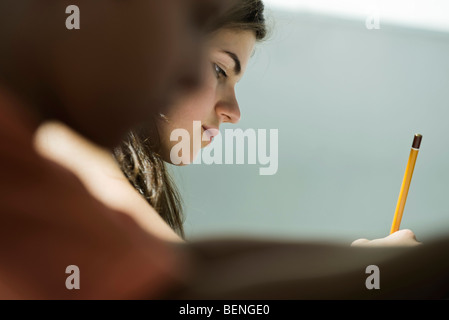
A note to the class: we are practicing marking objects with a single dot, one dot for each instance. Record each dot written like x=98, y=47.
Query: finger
x=359, y=242
x=407, y=234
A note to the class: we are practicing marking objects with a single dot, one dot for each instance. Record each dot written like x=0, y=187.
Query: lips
x=210, y=132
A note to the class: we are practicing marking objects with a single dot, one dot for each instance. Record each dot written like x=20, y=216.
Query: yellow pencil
x=406, y=183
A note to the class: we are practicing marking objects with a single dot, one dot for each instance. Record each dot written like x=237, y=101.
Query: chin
x=182, y=165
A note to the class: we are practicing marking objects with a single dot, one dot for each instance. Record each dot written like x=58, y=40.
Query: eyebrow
x=238, y=65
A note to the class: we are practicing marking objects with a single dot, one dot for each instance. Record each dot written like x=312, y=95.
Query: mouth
x=210, y=132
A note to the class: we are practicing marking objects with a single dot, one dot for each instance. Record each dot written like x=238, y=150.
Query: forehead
x=240, y=42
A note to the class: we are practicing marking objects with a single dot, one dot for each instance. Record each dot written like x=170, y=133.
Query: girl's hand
x=401, y=238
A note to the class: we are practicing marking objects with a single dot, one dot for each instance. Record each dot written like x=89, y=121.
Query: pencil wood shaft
x=404, y=190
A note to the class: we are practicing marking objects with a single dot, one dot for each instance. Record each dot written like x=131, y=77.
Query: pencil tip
x=417, y=141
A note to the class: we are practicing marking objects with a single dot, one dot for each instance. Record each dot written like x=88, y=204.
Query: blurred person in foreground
x=136, y=55
x=101, y=82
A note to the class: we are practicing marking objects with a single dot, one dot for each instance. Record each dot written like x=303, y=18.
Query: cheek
x=197, y=107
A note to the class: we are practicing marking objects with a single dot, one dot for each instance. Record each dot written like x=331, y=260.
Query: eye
x=219, y=71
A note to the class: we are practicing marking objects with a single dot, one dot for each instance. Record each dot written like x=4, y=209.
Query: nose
x=228, y=109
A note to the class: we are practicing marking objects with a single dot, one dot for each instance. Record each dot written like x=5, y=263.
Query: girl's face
x=215, y=102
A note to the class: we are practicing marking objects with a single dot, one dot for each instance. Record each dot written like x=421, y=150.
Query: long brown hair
x=138, y=155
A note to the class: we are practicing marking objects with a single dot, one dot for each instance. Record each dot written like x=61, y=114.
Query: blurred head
x=128, y=58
